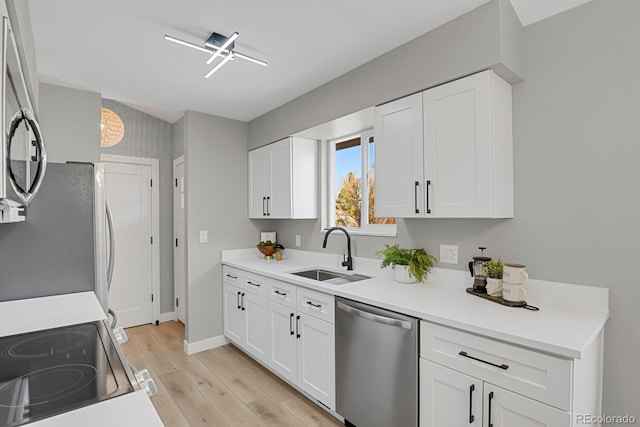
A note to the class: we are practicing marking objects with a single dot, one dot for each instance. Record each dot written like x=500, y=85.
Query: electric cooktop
x=46, y=373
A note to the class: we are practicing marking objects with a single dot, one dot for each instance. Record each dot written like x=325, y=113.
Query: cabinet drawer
x=284, y=293
x=316, y=304
x=537, y=375
x=232, y=275
x=256, y=284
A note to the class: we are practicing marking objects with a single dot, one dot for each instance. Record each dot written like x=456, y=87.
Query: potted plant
x=494, y=277
x=409, y=265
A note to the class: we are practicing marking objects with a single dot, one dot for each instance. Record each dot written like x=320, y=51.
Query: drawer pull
x=233, y=277
x=472, y=387
x=490, y=399
x=257, y=285
x=314, y=305
x=291, y=323
x=503, y=366
x=284, y=294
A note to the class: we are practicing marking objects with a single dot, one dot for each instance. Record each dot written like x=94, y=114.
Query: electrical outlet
x=298, y=240
x=204, y=236
x=449, y=254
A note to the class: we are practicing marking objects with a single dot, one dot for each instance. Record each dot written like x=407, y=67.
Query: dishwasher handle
x=374, y=317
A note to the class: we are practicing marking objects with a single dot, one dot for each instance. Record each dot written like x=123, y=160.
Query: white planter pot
x=494, y=287
x=401, y=274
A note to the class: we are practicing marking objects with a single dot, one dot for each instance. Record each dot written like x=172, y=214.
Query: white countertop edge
x=555, y=298
x=132, y=409
x=34, y=314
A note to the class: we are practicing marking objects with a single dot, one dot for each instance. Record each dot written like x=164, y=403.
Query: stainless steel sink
x=331, y=277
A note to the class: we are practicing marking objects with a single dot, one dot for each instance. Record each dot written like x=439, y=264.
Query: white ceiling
x=117, y=47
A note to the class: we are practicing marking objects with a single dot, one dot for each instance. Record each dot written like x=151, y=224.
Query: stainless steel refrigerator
x=63, y=246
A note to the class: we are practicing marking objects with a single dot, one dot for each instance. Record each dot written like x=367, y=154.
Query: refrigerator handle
x=112, y=246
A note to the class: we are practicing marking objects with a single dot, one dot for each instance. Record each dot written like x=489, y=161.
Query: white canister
x=514, y=292
x=515, y=273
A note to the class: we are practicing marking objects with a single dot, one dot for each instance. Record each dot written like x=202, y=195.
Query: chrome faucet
x=349, y=261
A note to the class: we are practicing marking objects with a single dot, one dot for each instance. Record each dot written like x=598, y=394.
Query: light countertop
x=569, y=320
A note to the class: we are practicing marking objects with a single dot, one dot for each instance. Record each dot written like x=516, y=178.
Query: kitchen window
x=351, y=186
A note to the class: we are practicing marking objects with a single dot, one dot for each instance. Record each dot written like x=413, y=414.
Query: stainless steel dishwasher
x=376, y=366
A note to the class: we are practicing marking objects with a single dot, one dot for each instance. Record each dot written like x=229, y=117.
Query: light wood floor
x=218, y=387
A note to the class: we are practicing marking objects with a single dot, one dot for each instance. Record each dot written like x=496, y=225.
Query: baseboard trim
x=209, y=343
x=166, y=317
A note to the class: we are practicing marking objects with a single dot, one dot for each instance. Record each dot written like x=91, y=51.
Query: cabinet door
x=279, y=203
x=399, y=158
x=448, y=398
x=233, y=314
x=259, y=181
x=507, y=409
x=457, y=147
x=316, y=359
x=256, y=334
x=283, y=343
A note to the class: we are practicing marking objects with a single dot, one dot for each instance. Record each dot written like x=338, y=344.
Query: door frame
x=155, y=216
x=176, y=162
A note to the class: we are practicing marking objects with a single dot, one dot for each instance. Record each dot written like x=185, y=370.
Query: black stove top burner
x=48, y=372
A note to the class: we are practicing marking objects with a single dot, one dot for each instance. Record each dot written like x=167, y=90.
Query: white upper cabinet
x=283, y=180
x=461, y=163
x=399, y=166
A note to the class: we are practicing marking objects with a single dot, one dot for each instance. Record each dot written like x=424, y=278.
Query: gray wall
x=576, y=166
x=177, y=148
x=489, y=36
x=216, y=201
x=148, y=136
x=70, y=123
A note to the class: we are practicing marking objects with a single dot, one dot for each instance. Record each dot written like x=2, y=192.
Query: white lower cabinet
x=507, y=409
x=288, y=328
x=245, y=320
x=302, y=351
x=450, y=398
x=316, y=359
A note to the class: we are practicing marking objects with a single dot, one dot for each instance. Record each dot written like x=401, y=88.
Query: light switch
x=204, y=236
x=449, y=254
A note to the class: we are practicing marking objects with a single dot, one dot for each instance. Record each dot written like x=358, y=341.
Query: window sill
x=356, y=232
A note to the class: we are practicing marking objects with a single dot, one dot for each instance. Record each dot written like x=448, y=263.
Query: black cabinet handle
x=268, y=213
x=291, y=323
x=238, y=298
x=242, y=299
x=490, y=399
x=503, y=366
x=314, y=305
x=472, y=387
x=233, y=277
x=415, y=196
x=264, y=212
x=427, y=196
x=284, y=294
x=249, y=282
x=297, y=326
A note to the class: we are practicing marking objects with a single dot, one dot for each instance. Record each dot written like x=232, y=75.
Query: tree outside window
x=350, y=209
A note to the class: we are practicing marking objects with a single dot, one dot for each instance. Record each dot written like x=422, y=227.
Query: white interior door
x=179, y=245
x=128, y=189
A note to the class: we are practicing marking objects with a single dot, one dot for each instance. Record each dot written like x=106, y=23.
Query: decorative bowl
x=267, y=250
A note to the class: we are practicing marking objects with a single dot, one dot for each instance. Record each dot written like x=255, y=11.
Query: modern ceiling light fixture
x=217, y=46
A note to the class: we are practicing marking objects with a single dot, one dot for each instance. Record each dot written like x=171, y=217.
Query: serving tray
x=501, y=301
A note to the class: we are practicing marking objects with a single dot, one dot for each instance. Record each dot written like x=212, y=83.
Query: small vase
x=401, y=274
x=494, y=287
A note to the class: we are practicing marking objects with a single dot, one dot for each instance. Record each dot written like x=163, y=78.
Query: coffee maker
x=478, y=270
